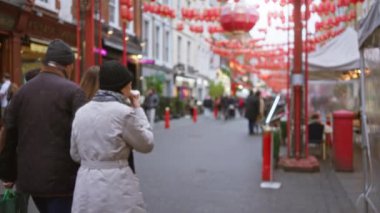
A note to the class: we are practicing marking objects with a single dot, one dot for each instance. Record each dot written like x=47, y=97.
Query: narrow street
x=214, y=166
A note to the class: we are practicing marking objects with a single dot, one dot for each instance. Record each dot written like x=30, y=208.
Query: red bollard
x=267, y=156
x=167, y=118
x=343, y=141
x=216, y=112
x=195, y=114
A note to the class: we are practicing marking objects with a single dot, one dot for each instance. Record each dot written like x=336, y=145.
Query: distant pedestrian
x=90, y=85
x=208, y=106
x=260, y=115
x=104, y=132
x=38, y=124
x=251, y=111
x=150, y=104
x=4, y=92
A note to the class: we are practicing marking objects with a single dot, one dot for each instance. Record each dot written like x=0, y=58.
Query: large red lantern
x=238, y=17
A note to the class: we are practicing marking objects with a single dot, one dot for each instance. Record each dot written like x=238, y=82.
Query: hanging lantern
x=180, y=26
x=238, y=18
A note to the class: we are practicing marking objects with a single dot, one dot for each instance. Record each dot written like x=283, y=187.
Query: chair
x=316, y=132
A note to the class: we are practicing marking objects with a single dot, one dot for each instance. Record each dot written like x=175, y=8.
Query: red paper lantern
x=238, y=17
x=128, y=3
x=124, y=12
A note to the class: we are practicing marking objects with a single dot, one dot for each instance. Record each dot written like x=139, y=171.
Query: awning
x=337, y=55
x=369, y=28
x=115, y=41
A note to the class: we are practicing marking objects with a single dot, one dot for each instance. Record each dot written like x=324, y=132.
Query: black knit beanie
x=114, y=76
x=59, y=52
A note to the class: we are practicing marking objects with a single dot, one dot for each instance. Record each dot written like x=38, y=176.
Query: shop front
x=24, y=36
x=185, y=86
x=113, y=50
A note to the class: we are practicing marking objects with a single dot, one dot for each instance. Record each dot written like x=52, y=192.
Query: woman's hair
x=90, y=82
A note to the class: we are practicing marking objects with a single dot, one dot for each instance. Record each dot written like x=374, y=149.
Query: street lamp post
x=297, y=79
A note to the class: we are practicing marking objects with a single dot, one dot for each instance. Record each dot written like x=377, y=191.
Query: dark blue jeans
x=251, y=124
x=53, y=204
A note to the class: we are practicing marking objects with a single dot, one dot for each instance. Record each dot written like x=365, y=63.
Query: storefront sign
x=50, y=30
x=7, y=22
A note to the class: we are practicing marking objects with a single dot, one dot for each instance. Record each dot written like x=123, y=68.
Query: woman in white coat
x=104, y=132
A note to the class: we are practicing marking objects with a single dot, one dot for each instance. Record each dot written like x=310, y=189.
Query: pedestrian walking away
x=90, y=85
x=150, y=104
x=251, y=111
x=103, y=134
x=38, y=124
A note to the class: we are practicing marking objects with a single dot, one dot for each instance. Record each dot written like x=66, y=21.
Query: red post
x=216, y=112
x=124, y=59
x=167, y=118
x=77, y=65
x=297, y=89
x=195, y=114
x=266, y=174
x=306, y=81
x=100, y=33
x=288, y=92
x=90, y=32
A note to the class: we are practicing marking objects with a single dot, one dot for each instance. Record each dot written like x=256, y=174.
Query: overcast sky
x=274, y=36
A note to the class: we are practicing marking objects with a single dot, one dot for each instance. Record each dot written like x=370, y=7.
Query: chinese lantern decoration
x=180, y=26
x=238, y=17
x=161, y=10
x=126, y=13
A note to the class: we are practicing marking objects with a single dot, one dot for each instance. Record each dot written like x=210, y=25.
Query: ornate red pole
x=90, y=39
x=306, y=81
x=77, y=65
x=297, y=77
x=288, y=90
x=124, y=27
x=100, y=33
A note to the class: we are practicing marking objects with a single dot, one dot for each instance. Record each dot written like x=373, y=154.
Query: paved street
x=214, y=166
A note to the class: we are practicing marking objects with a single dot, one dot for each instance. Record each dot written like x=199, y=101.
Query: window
x=188, y=57
x=166, y=46
x=112, y=10
x=157, y=43
x=146, y=36
x=179, y=49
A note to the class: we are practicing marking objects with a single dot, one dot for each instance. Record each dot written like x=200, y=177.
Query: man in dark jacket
x=38, y=121
x=252, y=111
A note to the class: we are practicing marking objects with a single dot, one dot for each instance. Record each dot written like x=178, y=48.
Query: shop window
x=31, y=56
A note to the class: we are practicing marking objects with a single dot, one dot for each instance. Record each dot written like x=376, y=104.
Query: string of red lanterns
x=161, y=10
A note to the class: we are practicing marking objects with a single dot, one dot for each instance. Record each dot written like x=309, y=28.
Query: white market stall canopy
x=369, y=31
x=337, y=55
